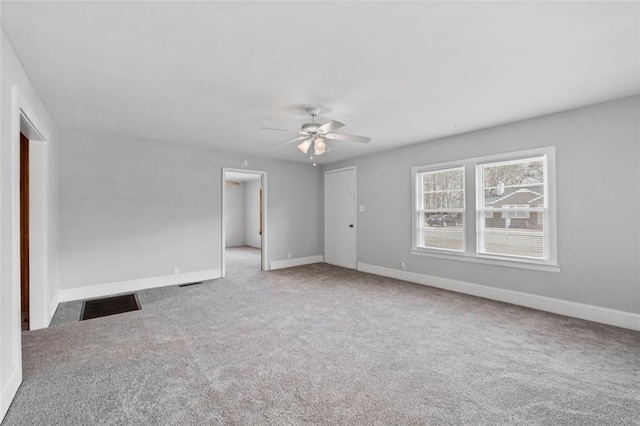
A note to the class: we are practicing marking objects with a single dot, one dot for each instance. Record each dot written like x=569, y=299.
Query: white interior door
x=340, y=218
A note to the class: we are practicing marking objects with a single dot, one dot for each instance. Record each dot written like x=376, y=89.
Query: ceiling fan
x=316, y=135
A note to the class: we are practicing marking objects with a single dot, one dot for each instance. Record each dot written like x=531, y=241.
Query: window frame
x=472, y=212
x=481, y=209
x=419, y=209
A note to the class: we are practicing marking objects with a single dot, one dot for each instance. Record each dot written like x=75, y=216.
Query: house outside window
x=513, y=206
x=513, y=221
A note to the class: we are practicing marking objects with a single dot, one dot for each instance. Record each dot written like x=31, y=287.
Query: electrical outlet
x=288, y=255
x=403, y=265
x=176, y=270
x=361, y=208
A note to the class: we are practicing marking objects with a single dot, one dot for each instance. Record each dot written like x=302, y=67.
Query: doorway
x=31, y=228
x=340, y=217
x=243, y=221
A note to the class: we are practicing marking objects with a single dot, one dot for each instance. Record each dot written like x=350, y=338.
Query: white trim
x=53, y=307
x=355, y=208
x=29, y=115
x=223, y=236
x=487, y=260
x=598, y=314
x=38, y=235
x=101, y=290
x=342, y=169
x=299, y=261
x=264, y=242
x=23, y=114
x=9, y=389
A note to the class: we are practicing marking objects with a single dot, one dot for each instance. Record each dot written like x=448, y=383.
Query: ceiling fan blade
x=348, y=138
x=329, y=126
x=279, y=130
x=298, y=139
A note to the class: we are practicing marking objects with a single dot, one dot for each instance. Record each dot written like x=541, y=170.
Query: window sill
x=487, y=260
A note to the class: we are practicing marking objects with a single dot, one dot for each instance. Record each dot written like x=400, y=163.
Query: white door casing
x=340, y=217
x=264, y=263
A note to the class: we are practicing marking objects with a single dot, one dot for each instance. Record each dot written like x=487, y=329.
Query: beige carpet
x=324, y=345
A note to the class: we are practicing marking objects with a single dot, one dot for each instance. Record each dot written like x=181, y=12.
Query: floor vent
x=190, y=284
x=109, y=306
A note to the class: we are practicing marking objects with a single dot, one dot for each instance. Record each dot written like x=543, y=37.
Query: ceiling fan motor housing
x=310, y=127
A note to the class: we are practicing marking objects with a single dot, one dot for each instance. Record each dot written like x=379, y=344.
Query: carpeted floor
x=324, y=345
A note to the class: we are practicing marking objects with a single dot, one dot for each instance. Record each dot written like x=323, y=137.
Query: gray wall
x=235, y=215
x=132, y=208
x=252, y=236
x=597, y=190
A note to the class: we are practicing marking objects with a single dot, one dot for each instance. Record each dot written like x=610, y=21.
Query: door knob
x=351, y=226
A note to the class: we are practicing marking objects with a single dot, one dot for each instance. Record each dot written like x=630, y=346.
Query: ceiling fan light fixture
x=319, y=146
x=312, y=139
x=304, y=145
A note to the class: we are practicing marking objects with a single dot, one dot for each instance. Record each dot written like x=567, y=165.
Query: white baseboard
x=101, y=290
x=608, y=316
x=299, y=261
x=53, y=306
x=8, y=390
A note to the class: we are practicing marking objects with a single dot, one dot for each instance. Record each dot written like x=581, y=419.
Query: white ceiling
x=211, y=73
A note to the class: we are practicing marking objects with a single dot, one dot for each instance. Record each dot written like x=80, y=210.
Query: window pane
x=516, y=183
x=514, y=173
x=444, y=231
x=522, y=196
x=506, y=234
x=442, y=190
x=444, y=200
x=444, y=220
x=443, y=180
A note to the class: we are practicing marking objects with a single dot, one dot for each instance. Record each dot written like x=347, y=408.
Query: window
x=441, y=213
x=512, y=222
x=512, y=208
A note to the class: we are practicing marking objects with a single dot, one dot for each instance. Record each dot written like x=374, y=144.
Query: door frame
x=25, y=119
x=355, y=213
x=264, y=263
